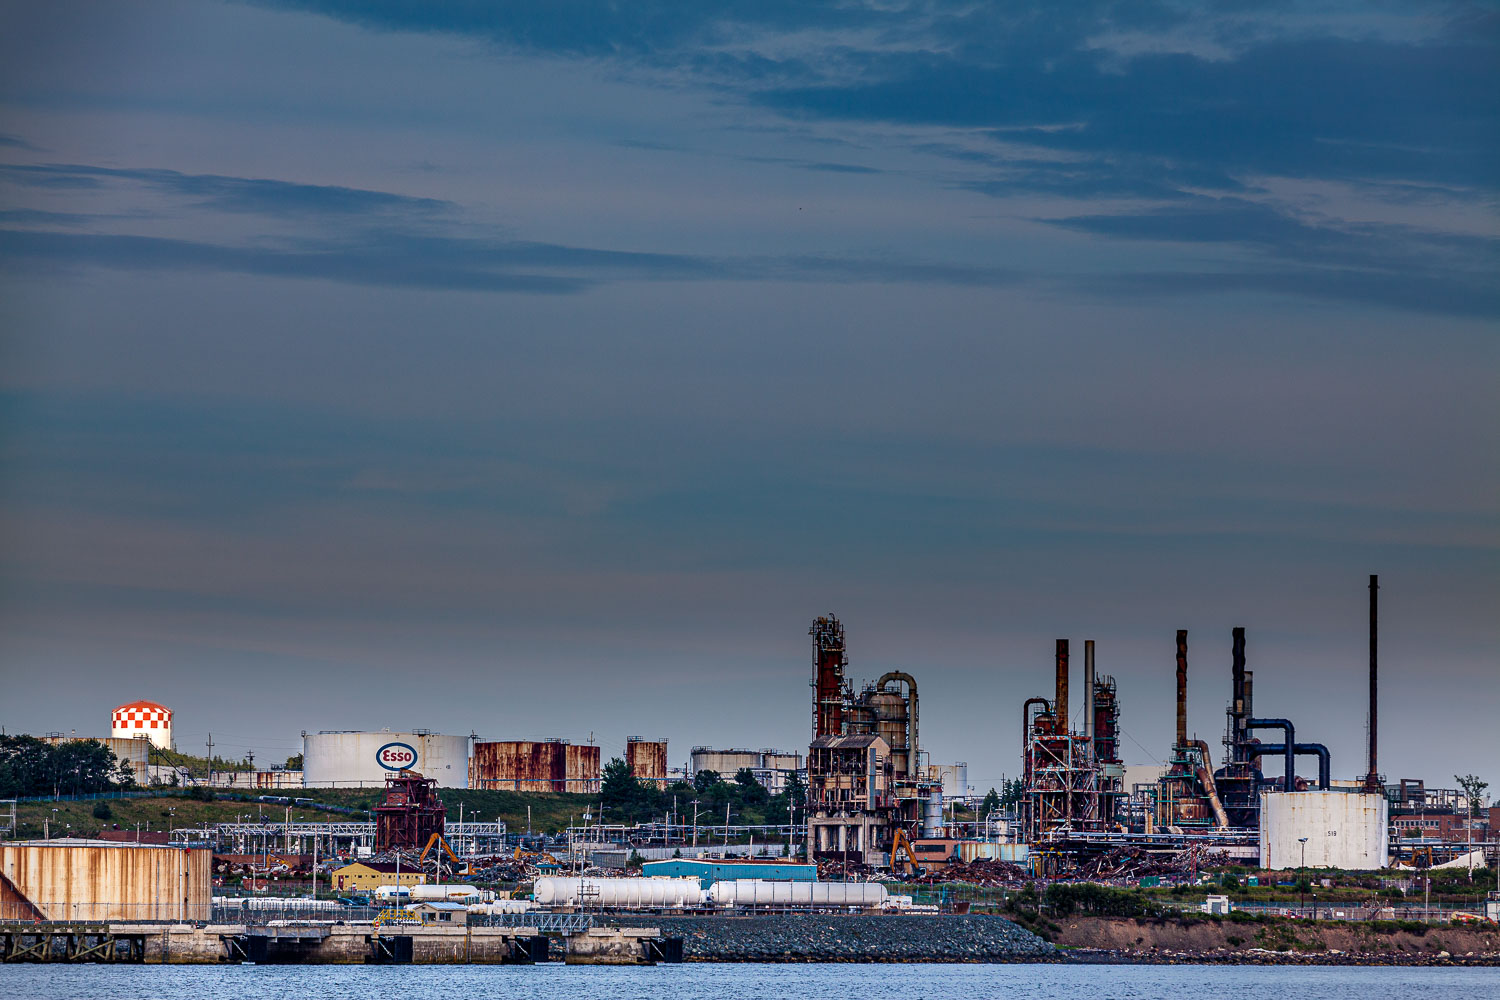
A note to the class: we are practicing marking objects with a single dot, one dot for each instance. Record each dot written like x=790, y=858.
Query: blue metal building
x=709, y=872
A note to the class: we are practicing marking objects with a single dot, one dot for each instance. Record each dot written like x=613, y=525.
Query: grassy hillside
x=549, y=813
x=160, y=812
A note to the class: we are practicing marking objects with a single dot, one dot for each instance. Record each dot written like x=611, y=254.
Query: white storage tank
x=366, y=759
x=619, y=893
x=1342, y=829
x=768, y=892
x=502, y=906
x=142, y=718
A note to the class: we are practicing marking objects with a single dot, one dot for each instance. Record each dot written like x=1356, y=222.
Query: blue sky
x=542, y=369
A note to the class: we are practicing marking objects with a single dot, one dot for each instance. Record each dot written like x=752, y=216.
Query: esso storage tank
x=366, y=759
x=766, y=892
x=620, y=893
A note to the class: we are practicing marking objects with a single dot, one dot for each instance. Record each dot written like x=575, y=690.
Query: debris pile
x=980, y=872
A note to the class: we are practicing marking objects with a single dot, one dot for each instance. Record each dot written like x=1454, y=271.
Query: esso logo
x=395, y=756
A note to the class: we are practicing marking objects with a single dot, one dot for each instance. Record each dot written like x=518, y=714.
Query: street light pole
x=1302, y=875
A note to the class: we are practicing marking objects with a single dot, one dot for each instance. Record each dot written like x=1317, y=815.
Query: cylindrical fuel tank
x=619, y=893
x=765, y=892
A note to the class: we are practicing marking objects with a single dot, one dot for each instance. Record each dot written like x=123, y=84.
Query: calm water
x=746, y=982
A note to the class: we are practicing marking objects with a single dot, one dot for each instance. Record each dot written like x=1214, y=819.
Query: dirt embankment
x=1175, y=939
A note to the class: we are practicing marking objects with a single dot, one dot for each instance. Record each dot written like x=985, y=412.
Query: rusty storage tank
x=581, y=768
x=647, y=760
x=519, y=765
x=99, y=880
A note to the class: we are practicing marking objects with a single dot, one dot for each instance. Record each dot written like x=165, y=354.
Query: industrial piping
x=1026, y=721
x=911, y=717
x=1206, y=776
x=1325, y=766
x=1289, y=747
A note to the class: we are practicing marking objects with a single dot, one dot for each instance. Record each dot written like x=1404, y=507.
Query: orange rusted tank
x=647, y=760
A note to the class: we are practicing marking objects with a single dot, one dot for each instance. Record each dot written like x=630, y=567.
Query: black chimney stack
x=1372, y=780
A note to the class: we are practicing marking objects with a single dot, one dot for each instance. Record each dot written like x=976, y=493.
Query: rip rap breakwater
x=848, y=938
x=1174, y=940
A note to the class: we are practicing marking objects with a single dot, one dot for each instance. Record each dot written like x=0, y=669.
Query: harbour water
x=700, y=981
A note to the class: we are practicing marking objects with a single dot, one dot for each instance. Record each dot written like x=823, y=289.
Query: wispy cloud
x=256, y=195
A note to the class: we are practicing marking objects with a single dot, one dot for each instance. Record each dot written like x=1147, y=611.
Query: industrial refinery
x=871, y=821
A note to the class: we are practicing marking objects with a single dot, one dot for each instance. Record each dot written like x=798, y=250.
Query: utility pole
x=1302, y=902
x=695, y=823
x=210, y=760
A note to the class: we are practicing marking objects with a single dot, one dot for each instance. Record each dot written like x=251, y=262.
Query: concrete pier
x=312, y=944
x=618, y=946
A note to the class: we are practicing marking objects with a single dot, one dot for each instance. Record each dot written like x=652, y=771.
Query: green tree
x=618, y=788
x=1473, y=791
x=751, y=792
x=990, y=804
x=29, y=766
x=294, y=762
x=705, y=781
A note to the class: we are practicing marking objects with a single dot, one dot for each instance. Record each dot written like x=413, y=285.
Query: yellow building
x=367, y=876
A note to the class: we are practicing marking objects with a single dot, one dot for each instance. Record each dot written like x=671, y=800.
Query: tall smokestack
x=1182, y=687
x=1088, y=691
x=1239, y=705
x=1372, y=780
x=1060, y=706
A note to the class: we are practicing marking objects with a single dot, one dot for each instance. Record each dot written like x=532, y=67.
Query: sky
x=543, y=369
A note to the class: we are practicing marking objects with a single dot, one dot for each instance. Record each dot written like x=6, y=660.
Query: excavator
x=436, y=840
x=902, y=856
x=534, y=857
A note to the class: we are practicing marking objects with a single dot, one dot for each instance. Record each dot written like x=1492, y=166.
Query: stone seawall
x=815, y=938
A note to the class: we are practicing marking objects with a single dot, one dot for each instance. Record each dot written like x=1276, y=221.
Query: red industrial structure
x=410, y=814
x=1071, y=781
x=866, y=776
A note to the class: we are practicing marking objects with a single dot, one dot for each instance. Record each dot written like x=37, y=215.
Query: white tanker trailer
x=620, y=893
x=746, y=892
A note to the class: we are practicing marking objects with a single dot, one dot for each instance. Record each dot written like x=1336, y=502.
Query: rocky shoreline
x=793, y=938
x=1090, y=956
x=850, y=938
x=1198, y=940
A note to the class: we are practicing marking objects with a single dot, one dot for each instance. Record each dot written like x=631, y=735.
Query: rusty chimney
x=1060, y=706
x=1182, y=687
x=1088, y=691
x=1239, y=708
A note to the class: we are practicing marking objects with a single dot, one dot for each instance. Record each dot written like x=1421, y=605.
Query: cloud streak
x=252, y=195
